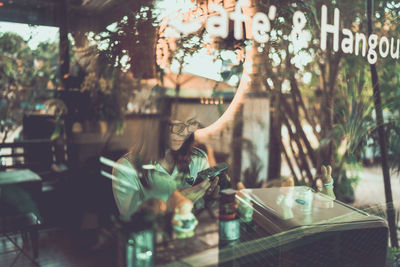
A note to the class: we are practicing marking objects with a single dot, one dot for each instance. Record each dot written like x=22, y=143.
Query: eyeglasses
x=178, y=128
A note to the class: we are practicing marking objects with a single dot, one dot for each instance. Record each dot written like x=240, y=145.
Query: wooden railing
x=34, y=154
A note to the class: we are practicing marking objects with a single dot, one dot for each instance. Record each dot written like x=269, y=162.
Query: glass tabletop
x=284, y=232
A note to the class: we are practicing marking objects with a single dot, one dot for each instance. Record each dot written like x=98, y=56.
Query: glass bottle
x=229, y=228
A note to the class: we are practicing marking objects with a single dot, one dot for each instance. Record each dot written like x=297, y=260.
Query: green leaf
x=56, y=133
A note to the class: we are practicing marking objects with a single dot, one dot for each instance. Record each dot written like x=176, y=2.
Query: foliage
x=327, y=91
x=347, y=178
x=389, y=79
x=336, y=99
x=24, y=77
x=251, y=174
x=127, y=44
x=107, y=88
x=394, y=147
x=46, y=59
x=394, y=255
x=122, y=56
x=353, y=114
x=108, y=96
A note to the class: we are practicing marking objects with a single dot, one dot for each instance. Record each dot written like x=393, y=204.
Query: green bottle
x=140, y=249
x=139, y=236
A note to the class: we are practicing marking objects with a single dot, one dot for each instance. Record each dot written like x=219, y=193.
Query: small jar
x=227, y=205
x=305, y=198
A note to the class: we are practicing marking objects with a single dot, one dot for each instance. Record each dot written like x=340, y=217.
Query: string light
x=211, y=100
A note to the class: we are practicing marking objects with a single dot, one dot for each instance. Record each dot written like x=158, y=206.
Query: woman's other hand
x=213, y=190
x=196, y=192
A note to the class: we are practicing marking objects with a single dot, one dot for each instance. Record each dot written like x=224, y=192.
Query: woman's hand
x=155, y=205
x=196, y=192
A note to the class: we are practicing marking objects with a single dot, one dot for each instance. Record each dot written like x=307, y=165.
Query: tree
x=130, y=42
x=24, y=77
x=310, y=103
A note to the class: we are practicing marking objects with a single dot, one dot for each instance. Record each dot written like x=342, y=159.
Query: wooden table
x=22, y=176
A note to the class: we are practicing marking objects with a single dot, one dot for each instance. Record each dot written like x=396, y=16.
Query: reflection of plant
x=394, y=255
x=251, y=175
x=394, y=146
x=349, y=178
x=46, y=62
x=183, y=49
x=123, y=56
x=108, y=96
x=130, y=43
x=252, y=172
x=353, y=127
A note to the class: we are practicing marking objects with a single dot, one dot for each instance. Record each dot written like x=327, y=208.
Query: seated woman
x=150, y=176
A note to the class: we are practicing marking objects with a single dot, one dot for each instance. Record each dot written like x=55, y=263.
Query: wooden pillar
x=253, y=158
x=275, y=144
x=251, y=114
x=255, y=136
x=255, y=139
x=64, y=43
x=237, y=147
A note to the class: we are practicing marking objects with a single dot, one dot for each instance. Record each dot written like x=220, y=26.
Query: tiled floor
x=66, y=248
x=58, y=248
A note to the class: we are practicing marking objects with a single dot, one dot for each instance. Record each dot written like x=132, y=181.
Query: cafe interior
x=197, y=133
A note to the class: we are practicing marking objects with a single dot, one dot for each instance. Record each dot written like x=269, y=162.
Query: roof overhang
x=86, y=15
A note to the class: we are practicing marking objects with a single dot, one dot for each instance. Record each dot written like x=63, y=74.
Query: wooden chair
x=45, y=157
x=28, y=169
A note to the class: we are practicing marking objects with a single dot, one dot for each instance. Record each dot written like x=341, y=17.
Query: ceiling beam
x=94, y=16
x=32, y=15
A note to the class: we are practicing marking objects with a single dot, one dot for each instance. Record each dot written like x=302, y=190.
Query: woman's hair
x=182, y=156
x=147, y=152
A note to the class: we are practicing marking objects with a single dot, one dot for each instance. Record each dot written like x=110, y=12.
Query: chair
x=27, y=225
x=18, y=212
